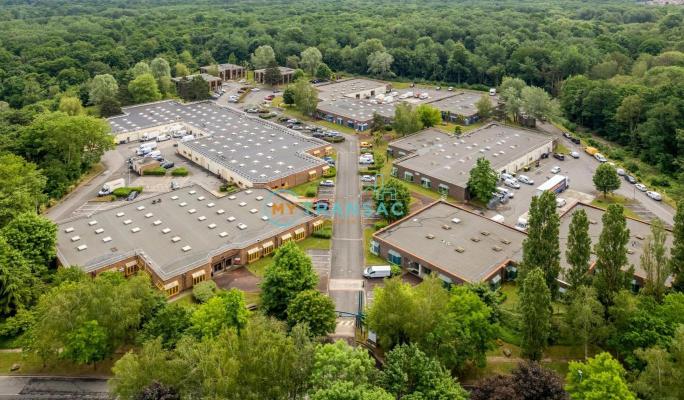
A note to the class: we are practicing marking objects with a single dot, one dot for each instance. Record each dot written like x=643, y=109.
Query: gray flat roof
x=345, y=87
x=226, y=66
x=485, y=244
x=266, y=150
x=452, y=159
x=356, y=109
x=462, y=103
x=638, y=231
x=283, y=70
x=192, y=214
x=204, y=76
x=420, y=140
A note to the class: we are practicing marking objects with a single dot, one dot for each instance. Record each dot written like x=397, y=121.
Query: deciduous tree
x=535, y=310
x=224, y=311
x=70, y=105
x=406, y=120
x=102, y=88
x=310, y=60
x=314, y=309
x=611, y=255
x=482, y=181
x=428, y=115
x=262, y=56
x=305, y=97
x=17, y=289
x=600, y=377
x=169, y=323
x=578, y=251
x=21, y=187
x=144, y=89
x=272, y=74
x=677, y=249
x=290, y=273
x=340, y=362
x=655, y=262
x=392, y=200
x=541, y=248
x=606, y=179
x=34, y=237
x=584, y=317
x=87, y=344
x=380, y=64
x=484, y=107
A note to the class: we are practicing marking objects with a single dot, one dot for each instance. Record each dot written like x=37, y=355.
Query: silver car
x=525, y=179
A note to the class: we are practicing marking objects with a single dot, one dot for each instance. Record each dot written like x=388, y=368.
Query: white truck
x=146, y=148
x=110, y=186
x=521, y=225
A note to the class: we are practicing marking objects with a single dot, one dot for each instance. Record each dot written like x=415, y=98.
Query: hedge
x=157, y=171
x=325, y=233
x=180, y=171
x=330, y=173
x=311, y=192
x=125, y=191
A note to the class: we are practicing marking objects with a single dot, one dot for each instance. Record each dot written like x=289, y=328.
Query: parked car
x=174, y=185
x=630, y=179
x=377, y=271
x=567, y=135
x=556, y=169
x=132, y=195
x=545, y=155
x=163, y=137
x=450, y=88
x=327, y=183
x=600, y=157
x=167, y=164
x=512, y=183
x=366, y=145
x=575, y=154
x=620, y=171
x=368, y=178
x=559, y=156
x=252, y=110
x=256, y=89
x=525, y=179
x=269, y=97
x=575, y=140
x=504, y=176
x=641, y=187
x=654, y=195
x=560, y=202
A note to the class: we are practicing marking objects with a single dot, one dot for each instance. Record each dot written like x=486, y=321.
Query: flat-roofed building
x=183, y=237
x=443, y=163
x=638, y=232
x=455, y=244
x=240, y=148
x=286, y=75
x=353, y=113
x=355, y=88
x=460, y=107
x=213, y=81
x=227, y=72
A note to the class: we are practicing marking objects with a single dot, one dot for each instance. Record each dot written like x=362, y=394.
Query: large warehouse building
x=455, y=244
x=354, y=88
x=442, y=162
x=244, y=150
x=183, y=237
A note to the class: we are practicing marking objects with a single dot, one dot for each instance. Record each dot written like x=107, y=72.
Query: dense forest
x=616, y=66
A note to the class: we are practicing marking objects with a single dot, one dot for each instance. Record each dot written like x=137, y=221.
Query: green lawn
x=448, y=127
x=371, y=259
x=258, y=267
x=561, y=148
x=301, y=190
x=615, y=199
x=291, y=112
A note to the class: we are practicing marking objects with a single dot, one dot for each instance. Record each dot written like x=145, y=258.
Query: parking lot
x=581, y=172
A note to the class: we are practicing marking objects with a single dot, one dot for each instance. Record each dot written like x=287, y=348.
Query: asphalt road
x=347, y=248
x=53, y=388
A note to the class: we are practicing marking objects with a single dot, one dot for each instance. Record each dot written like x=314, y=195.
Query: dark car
x=132, y=195
x=167, y=164
x=566, y=135
x=575, y=140
x=630, y=179
x=559, y=156
x=545, y=155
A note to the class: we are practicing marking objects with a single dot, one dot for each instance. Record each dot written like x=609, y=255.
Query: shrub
x=125, y=191
x=311, y=192
x=593, y=143
x=617, y=154
x=632, y=166
x=660, y=181
x=330, y=173
x=180, y=171
x=325, y=233
x=395, y=270
x=379, y=225
x=388, y=128
x=157, y=171
x=204, y=291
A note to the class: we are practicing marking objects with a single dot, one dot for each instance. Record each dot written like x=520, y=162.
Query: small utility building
x=213, y=81
x=452, y=243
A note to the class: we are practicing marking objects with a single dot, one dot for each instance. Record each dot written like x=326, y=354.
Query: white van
x=187, y=138
x=492, y=92
x=148, y=136
x=378, y=271
x=163, y=137
x=146, y=148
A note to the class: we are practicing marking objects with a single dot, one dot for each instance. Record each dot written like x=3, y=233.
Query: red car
x=269, y=97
